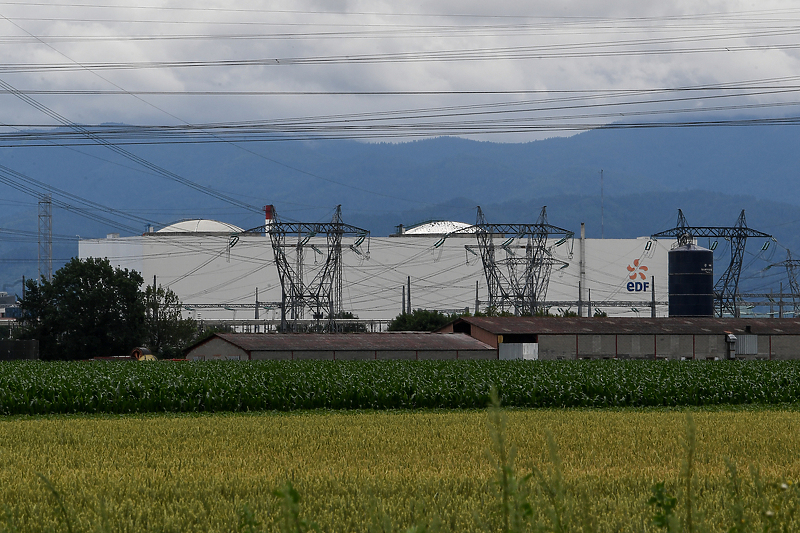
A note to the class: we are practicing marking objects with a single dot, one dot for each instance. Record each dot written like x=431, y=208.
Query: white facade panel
x=530, y=351
x=747, y=345
x=617, y=270
x=203, y=269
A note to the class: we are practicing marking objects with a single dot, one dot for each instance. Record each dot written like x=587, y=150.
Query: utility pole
x=653, y=297
x=582, y=279
x=602, y=202
x=409, y=295
x=477, y=301
x=771, y=304
x=589, y=311
x=46, y=237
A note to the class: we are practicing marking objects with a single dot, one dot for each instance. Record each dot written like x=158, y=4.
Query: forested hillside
x=712, y=173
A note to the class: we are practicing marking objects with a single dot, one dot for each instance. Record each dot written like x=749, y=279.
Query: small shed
x=351, y=346
x=635, y=338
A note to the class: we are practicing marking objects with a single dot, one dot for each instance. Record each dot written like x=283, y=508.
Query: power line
x=128, y=155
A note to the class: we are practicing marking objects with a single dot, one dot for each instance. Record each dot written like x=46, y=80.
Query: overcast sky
x=503, y=70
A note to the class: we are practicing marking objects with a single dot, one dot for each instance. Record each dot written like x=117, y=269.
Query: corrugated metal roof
x=633, y=326
x=251, y=342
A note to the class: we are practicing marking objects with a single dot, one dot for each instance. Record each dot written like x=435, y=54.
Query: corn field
x=33, y=387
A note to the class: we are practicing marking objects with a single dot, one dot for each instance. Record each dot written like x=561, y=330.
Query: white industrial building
x=216, y=270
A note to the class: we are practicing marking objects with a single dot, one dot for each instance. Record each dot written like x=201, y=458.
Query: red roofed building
x=634, y=338
x=355, y=346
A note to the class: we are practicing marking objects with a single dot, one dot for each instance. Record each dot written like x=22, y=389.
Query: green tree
x=167, y=331
x=89, y=309
x=420, y=320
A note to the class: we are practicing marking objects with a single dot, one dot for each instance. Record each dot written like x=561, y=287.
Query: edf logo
x=634, y=272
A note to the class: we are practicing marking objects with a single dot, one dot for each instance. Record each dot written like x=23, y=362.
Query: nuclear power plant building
x=219, y=271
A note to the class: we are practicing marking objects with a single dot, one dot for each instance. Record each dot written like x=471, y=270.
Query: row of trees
x=91, y=309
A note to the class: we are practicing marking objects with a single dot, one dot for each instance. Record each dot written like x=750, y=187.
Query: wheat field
x=374, y=471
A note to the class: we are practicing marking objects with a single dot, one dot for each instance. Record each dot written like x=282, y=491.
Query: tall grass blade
x=59, y=501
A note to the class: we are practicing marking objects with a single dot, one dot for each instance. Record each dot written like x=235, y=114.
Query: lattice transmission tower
x=312, y=286
x=726, y=289
x=46, y=237
x=518, y=269
x=792, y=266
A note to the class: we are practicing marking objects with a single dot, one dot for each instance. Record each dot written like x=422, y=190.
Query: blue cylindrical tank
x=691, y=281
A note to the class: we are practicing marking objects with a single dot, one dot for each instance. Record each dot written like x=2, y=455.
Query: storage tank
x=691, y=281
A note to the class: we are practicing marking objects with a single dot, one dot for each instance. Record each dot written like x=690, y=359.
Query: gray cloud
x=444, y=45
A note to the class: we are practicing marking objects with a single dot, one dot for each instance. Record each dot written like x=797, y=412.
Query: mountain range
x=712, y=173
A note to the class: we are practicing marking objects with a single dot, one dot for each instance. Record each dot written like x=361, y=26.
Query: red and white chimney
x=269, y=215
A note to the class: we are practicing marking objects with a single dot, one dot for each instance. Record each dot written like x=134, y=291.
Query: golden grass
x=357, y=470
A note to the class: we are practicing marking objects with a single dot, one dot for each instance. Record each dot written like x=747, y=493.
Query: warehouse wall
x=636, y=346
x=674, y=346
x=270, y=355
x=647, y=346
x=597, y=345
x=484, y=336
x=381, y=355
x=555, y=347
x=785, y=347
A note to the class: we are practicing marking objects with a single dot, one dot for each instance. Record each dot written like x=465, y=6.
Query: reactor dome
x=200, y=226
x=437, y=227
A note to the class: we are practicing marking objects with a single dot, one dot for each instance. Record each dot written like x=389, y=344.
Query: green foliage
x=290, y=511
x=664, y=503
x=35, y=387
x=247, y=521
x=10, y=519
x=167, y=331
x=89, y=309
x=420, y=320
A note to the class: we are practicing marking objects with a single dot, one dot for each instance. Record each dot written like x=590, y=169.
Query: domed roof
x=201, y=226
x=437, y=227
